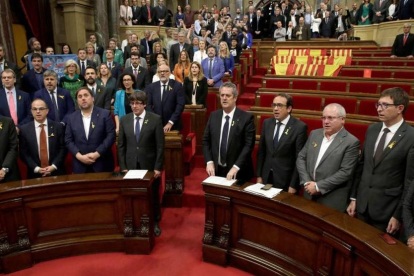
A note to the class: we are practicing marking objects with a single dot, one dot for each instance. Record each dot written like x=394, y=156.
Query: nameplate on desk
x=219, y=181
x=257, y=190
x=135, y=174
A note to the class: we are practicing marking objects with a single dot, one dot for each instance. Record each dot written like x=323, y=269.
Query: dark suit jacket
x=29, y=148
x=334, y=172
x=170, y=106
x=13, y=66
x=240, y=142
x=88, y=63
x=201, y=91
x=274, y=19
x=281, y=161
x=408, y=212
x=116, y=70
x=143, y=77
x=344, y=22
x=145, y=15
x=353, y=17
x=144, y=44
x=381, y=187
x=127, y=51
x=149, y=151
x=30, y=83
x=99, y=50
x=160, y=14
x=136, y=15
x=383, y=9
x=406, y=11
x=23, y=105
x=175, y=53
x=401, y=50
x=8, y=149
x=289, y=18
x=64, y=102
x=258, y=27
x=327, y=29
x=101, y=138
x=103, y=97
x=306, y=32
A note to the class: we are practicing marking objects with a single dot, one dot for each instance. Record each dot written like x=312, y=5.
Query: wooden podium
x=289, y=235
x=54, y=217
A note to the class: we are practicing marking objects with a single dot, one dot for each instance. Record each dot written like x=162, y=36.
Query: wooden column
x=6, y=31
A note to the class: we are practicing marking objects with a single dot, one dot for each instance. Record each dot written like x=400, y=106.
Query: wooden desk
x=48, y=218
x=289, y=235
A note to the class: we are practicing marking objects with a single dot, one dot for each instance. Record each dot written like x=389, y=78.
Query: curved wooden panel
x=53, y=217
x=289, y=235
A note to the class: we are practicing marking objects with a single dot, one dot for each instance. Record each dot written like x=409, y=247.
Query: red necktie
x=12, y=108
x=149, y=12
x=405, y=39
x=44, y=158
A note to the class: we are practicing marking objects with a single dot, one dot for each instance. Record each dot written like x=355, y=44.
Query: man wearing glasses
x=281, y=140
x=328, y=160
x=42, y=143
x=386, y=165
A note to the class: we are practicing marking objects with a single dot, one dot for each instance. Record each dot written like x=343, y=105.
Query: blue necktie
x=223, y=145
x=276, y=138
x=55, y=107
x=137, y=129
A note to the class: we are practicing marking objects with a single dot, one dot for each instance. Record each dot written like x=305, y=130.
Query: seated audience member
x=403, y=44
x=83, y=62
x=125, y=14
x=157, y=49
x=58, y=100
x=195, y=86
x=49, y=50
x=392, y=11
x=301, y=31
x=91, y=55
x=9, y=170
x=122, y=104
x=6, y=64
x=143, y=61
x=166, y=98
x=101, y=94
x=157, y=76
x=33, y=78
x=228, y=60
x=66, y=50
x=14, y=103
x=213, y=67
x=118, y=55
x=142, y=147
x=72, y=80
x=106, y=80
x=116, y=68
x=316, y=22
x=365, y=13
x=182, y=68
x=280, y=32
x=141, y=75
x=89, y=135
x=42, y=143
x=235, y=50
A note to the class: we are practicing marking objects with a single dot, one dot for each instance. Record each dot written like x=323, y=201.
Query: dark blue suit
x=116, y=70
x=29, y=149
x=217, y=72
x=101, y=138
x=170, y=106
x=23, y=103
x=144, y=43
x=30, y=83
x=64, y=102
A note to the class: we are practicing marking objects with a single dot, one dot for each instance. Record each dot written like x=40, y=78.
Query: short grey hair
x=229, y=85
x=50, y=73
x=340, y=110
x=407, y=25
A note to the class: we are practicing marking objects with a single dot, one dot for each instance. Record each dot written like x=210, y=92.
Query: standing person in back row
x=229, y=138
x=403, y=44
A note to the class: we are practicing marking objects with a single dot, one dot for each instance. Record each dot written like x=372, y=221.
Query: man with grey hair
x=177, y=48
x=229, y=138
x=403, y=44
x=328, y=159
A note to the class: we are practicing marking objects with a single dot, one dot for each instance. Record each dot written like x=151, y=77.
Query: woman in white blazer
x=201, y=53
x=125, y=17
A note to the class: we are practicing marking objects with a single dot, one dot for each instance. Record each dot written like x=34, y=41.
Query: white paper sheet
x=219, y=181
x=135, y=174
x=257, y=189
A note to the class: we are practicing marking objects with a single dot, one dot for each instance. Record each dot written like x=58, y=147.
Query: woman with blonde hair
x=72, y=80
x=105, y=79
x=228, y=59
x=195, y=85
x=156, y=49
x=90, y=54
x=182, y=68
x=201, y=53
x=156, y=77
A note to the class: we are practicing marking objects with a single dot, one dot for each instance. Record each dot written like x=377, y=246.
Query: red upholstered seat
x=409, y=113
x=275, y=83
x=366, y=62
x=405, y=87
x=404, y=75
x=333, y=86
x=363, y=87
x=305, y=84
x=261, y=120
x=393, y=63
x=211, y=103
x=22, y=168
x=381, y=74
x=351, y=73
x=349, y=104
x=358, y=130
x=312, y=123
x=189, y=141
x=367, y=107
x=266, y=100
x=307, y=102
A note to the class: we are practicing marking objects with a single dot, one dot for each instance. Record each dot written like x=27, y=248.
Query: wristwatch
x=6, y=170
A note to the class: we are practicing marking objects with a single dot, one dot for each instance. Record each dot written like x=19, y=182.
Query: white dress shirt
x=223, y=121
x=282, y=127
x=141, y=121
x=86, y=123
x=38, y=129
x=393, y=129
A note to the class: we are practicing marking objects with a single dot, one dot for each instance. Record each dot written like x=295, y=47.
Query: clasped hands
x=310, y=188
x=89, y=158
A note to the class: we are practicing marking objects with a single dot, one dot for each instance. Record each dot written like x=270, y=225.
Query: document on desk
x=257, y=189
x=135, y=174
x=219, y=181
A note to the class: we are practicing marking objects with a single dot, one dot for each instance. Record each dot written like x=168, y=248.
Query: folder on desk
x=135, y=174
x=257, y=189
x=219, y=181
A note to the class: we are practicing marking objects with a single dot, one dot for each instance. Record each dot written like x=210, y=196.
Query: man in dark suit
x=14, y=103
x=213, y=68
x=147, y=13
x=229, y=138
x=403, y=44
x=116, y=68
x=141, y=74
x=136, y=13
x=177, y=48
x=58, y=100
x=166, y=98
x=301, y=31
x=161, y=13
x=42, y=144
x=33, y=78
x=352, y=15
x=379, y=10
x=101, y=94
x=340, y=23
x=327, y=26
x=281, y=140
x=83, y=62
x=98, y=48
x=141, y=145
x=9, y=170
x=146, y=42
x=277, y=16
x=5, y=64
x=90, y=134
x=258, y=25
x=293, y=17
x=327, y=161
x=406, y=9
x=386, y=165
x=134, y=42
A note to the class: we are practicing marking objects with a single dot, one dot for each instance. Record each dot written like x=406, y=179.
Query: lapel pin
x=1, y=125
x=20, y=97
x=170, y=88
x=232, y=123
x=392, y=144
x=146, y=121
x=314, y=144
x=287, y=131
x=62, y=97
x=52, y=135
x=93, y=125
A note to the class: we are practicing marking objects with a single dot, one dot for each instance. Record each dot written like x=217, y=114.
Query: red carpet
x=176, y=252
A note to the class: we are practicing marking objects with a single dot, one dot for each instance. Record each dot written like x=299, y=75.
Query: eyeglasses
x=278, y=105
x=384, y=105
x=39, y=109
x=330, y=118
